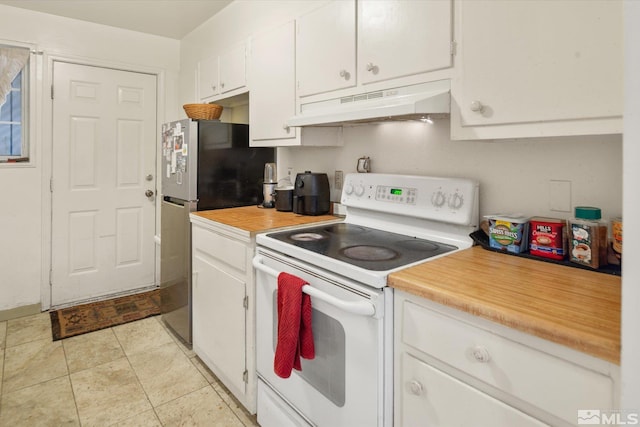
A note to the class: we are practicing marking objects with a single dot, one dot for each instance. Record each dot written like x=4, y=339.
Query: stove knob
x=348, y=189
x=438, y=199
x=359, y=190
x=456, y=201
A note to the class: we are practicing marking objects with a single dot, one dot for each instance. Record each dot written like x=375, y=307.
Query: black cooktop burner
x=361, y=246
x=307, y=237
x=369, y=253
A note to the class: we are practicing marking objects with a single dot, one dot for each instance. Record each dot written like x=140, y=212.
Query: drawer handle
x=476, y=107
x=415, y=387
x=481, y=354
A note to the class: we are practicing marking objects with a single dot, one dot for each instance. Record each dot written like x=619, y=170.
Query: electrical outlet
x=338, y=177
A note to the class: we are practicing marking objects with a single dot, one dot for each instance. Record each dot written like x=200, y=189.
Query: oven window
x=326, y=372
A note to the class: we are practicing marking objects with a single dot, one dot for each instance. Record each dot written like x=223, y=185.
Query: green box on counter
x=509, y=233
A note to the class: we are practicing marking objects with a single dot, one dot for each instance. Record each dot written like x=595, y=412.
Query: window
x=14, y=117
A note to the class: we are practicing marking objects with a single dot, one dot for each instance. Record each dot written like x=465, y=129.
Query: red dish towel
x=295, y=337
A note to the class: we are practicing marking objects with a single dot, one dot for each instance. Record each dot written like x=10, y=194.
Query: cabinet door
x=539, y=61
x=219, y=325
x=430, y=397
x=326, y=48
x=272, y=96
x=233, y=73
x=208, y=78
x=399, y=38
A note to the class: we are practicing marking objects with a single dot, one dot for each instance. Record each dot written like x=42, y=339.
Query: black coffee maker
x=311, y=194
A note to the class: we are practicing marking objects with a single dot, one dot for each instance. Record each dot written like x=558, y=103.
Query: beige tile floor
x=137, y=374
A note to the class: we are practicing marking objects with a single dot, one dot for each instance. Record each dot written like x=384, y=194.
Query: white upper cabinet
x=326, y=48
x=399, y=38
x=387, y=39
x=233, y=68
x=208, y=78
x=223, y=74
x=538, y=68
x=272, y=99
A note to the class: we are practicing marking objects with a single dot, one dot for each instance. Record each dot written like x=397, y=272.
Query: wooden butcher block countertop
x=255, y=220
x=570, y=306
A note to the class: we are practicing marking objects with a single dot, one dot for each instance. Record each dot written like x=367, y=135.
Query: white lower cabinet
x=453, y=368
x=429, y=397
x=223, y=324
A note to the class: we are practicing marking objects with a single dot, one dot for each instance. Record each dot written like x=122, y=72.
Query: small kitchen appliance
x=311, y=194
x=284, y=198
x=269, y=186
x=392, y=222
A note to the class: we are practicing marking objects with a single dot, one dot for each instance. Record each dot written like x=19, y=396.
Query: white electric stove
x=392, y=222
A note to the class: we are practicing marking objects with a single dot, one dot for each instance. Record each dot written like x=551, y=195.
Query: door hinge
x=51, y=185
x=454, y=48
x=245, y=302
x=245, y=376
x=51, y=277
x=51, y=91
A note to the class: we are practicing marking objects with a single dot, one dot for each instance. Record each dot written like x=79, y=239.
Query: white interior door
x=104, y=135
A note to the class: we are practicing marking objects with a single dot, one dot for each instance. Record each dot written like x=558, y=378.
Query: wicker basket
x=203, y=111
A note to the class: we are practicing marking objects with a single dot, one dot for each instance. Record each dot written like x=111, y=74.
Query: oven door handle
x=363, y=308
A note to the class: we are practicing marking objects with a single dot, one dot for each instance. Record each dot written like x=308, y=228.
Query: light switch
x=560, y=196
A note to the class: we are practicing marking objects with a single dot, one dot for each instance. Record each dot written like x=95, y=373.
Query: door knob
x=149, y=177
x=148, y=193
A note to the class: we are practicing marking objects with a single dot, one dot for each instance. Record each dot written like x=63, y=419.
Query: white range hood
x=401, y=103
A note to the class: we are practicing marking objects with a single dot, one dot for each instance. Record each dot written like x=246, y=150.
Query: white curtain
x=12, y=60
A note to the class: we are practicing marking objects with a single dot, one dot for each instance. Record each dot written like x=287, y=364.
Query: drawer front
x=552, y=384
x=432, y=398
x=221, y=248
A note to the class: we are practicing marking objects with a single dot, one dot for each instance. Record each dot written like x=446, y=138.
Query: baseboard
x=25, y=310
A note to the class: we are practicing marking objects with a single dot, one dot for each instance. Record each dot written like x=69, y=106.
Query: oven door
x=344, y=385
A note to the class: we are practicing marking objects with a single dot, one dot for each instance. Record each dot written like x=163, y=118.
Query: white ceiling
x=168, y=18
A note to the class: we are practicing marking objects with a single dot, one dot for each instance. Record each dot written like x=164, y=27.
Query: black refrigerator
x=206, y=165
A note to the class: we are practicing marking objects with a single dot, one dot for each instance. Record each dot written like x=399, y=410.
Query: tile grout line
x=75, y=401
x=4, y=355
x=146, y=395
x=223, y=388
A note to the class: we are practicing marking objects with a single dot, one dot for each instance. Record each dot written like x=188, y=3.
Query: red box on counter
x=548, y=238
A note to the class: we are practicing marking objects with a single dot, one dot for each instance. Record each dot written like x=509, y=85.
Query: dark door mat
x=80, y=319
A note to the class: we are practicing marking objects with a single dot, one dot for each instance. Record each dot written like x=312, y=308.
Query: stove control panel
x=443, y=199
x=396, y=194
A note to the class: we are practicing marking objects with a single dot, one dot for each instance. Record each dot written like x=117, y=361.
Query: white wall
x=630, y=267
x=514, y=175
x=24, y=200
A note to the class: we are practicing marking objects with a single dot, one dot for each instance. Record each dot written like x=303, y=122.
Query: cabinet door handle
x=286, y=128
x=481, y=354
x=222, y=85
x=416, y=388
x=476, y=107
x=370, y=66
x=345, y=74
x=213, y=87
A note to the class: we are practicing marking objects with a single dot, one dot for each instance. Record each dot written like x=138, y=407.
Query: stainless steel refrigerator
x=206, y=165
